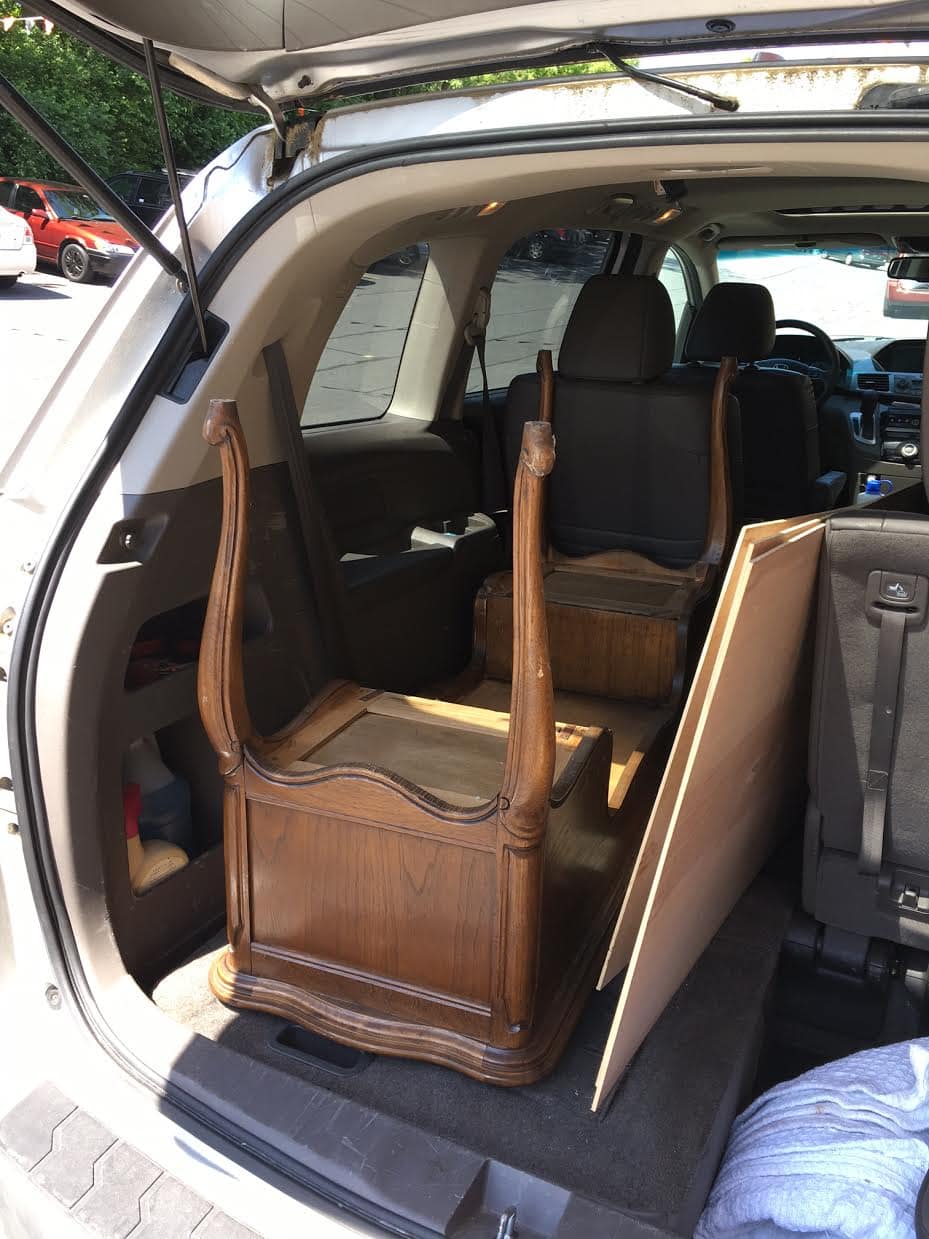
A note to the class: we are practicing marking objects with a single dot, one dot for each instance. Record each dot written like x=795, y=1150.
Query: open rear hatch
x=282, y=49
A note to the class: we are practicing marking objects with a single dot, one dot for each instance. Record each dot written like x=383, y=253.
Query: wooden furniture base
x=619, y=625
x=372, y=848
x=349, y=893
x=413, y=876
x=612, y=634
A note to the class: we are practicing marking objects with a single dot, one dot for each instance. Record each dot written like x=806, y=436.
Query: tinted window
x=357, y=373
x=534, y=293
x=672, y=276
x=154, y=192
x=122, y=185
x=28, y=200
x=6, y=192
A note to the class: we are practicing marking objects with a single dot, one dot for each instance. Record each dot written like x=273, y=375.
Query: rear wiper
x=722, y=103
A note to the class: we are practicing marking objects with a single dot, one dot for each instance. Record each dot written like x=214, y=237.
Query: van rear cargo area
x=652, y=1154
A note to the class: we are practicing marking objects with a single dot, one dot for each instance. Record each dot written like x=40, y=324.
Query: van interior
x=393, y=323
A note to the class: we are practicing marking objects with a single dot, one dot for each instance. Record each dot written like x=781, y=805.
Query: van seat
x=866, y=863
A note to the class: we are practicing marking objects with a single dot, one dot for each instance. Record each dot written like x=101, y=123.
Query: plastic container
x=873, y=487
x=165, y=809
x=152, y=862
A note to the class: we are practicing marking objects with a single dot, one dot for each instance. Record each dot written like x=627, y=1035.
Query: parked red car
x=906, y=299
x=69, y=228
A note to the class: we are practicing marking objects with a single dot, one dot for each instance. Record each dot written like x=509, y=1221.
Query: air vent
x=874, y=381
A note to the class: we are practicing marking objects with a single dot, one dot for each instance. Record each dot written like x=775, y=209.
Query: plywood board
x=718, y=807
x=763, y=536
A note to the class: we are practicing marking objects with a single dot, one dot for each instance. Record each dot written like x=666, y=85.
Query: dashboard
x=901, y=355
x=883, y=367
x=887, y=376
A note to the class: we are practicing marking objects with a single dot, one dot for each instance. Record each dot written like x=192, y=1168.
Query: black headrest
x=735, y=320
x=621, y=331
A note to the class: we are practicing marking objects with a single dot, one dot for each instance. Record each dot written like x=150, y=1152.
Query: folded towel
x=841, y=1151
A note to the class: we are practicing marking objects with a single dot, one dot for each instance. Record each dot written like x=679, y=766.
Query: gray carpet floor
x=655, y=1150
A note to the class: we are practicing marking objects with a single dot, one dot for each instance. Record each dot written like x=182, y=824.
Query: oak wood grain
x=387, y=856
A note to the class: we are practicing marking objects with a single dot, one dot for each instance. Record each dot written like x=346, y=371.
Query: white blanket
x=841, y=1151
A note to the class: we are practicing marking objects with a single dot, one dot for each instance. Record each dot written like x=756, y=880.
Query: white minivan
x=371, y=274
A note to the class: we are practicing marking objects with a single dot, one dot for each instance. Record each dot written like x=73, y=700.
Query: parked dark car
x=148, y=193
x=553, y=244
x=873, y=256
x=410, y=258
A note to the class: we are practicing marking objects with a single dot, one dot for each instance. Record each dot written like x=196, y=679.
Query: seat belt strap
x=493, y=479
x=322, y=559
x=883, y=729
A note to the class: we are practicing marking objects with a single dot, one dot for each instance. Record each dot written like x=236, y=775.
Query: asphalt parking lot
x=42, y=319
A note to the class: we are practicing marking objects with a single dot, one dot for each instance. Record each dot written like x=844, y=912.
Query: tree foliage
x=102, y=109
x=105, y=111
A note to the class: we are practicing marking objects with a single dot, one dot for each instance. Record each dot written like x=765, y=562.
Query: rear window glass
x=6, y=193
x=534, y=292
x=357, y=373
x=28, y=200
x=672, y=276
x=154, y=192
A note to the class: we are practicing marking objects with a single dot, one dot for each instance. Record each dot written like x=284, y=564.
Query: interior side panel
x=127, y=694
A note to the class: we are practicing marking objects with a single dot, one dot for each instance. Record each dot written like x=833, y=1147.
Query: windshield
x=72, y=204
x=842, y=288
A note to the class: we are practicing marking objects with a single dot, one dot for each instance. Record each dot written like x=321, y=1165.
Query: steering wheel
x=824, y=377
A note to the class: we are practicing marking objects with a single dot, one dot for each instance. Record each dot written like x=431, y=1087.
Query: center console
x=900, y=434
x=891, y=405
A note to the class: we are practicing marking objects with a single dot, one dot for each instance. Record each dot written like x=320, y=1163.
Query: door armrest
x=827, y=488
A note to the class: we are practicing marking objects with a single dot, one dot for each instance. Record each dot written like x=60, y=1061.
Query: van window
x=534, y=292
x=672, y=276
x=28, y=200
x=154, y=191
x=6, y=193
x=357, y=373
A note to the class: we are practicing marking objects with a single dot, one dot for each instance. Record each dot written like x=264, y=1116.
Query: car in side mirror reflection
x=907, y=292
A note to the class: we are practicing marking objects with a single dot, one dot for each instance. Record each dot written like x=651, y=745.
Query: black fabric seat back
x=855, y=684
x=780, y=421
x=632, y=447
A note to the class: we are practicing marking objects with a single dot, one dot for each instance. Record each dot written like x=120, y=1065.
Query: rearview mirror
x=911, y=267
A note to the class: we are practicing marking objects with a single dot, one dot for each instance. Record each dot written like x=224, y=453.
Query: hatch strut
x=722, y=102
x=63, y=153
x=167, y=149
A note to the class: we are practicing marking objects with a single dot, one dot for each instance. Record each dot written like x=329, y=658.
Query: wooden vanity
x=419, y=877
x=436, y=877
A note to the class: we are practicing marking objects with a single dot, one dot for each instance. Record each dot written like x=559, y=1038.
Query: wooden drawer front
x=391, y=904
x=606, y=653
